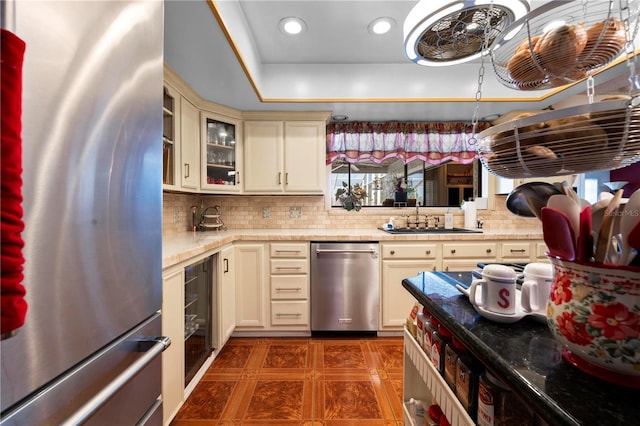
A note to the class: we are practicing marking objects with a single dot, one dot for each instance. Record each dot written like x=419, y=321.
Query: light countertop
x=179, y=247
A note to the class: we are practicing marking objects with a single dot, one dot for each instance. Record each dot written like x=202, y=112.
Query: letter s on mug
x=503, y=296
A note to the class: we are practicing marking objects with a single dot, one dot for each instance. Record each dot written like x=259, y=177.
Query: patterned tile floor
x=300, y=381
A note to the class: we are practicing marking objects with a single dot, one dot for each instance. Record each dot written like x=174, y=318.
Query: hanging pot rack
x=562, y=42
x=599, y=136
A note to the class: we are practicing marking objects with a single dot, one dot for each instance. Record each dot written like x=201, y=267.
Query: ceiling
x=232, y=52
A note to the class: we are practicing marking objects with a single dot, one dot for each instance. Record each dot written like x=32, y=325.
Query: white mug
x=496, y=288
x=538, y=278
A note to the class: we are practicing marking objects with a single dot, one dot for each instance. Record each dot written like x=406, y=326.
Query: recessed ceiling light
x=292, y=25
x=381, y=26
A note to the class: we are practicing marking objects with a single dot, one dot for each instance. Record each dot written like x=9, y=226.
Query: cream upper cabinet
x=190, y=145
x=221, y=153
x=284, y=157
x=170, y=138
x=264, y=143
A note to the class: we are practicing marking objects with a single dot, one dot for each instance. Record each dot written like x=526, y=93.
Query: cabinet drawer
x=516, y=250
x=464, y=265
x=541, y=249
x=289, y=266
x=290, y=250
x=290, y=313
x=409, y=251
x=468, y=250
x=290, y=287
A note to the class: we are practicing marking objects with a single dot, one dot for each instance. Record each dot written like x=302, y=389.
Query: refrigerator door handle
x=91, y=406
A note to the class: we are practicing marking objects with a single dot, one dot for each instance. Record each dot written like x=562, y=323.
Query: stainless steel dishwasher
x=345, y=286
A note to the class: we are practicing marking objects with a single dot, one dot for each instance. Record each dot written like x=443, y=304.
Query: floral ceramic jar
x=594, y=310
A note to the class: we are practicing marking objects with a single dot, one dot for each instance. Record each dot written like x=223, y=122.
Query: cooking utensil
x=569, y=192
x=558, y=234
x=629, y=220
x=606, y=229
x=537, y=194
x=585, y=238
x=569, y=208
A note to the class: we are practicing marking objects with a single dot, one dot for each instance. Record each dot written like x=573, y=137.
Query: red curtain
x=432, y=143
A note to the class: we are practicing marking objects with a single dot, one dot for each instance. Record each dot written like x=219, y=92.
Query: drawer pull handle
x=288, y=289
x=288, y=251
x=488, y=250
x=295, y=268
x=453, y=251
x=446, y=268
x=518, y=250
x=434, y=267
x=297, y=315
x=393, y=252
x=428, y=251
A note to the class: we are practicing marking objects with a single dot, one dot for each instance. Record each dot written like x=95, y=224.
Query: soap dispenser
x=448, y=220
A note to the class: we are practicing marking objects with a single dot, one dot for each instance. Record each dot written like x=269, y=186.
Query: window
x=438, y=186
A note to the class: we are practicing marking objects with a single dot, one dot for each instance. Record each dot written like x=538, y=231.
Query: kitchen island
x=526, y=357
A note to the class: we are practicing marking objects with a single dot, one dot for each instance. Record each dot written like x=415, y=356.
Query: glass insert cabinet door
x=220, y=165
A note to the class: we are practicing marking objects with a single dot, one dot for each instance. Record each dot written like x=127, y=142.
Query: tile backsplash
x=295, y=212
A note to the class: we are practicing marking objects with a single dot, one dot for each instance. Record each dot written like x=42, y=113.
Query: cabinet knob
x=434, y=268
x=428, y=251
x=453, y=251
x=393, y=252
x=446, y=269
x=488, y=250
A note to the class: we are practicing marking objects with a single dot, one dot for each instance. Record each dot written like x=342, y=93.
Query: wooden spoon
x=606, y=228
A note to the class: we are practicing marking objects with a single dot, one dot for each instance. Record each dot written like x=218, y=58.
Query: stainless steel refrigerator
x=89, y=349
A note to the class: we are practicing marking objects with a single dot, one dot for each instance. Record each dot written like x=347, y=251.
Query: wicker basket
x=599, y=136
x=529, y=56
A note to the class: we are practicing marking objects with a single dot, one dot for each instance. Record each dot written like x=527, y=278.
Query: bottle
x=417, y=411
x=434, y=414
x=429, y=328
x=498, y=406
x=451, y=354
x=439, y=339
x=467, y=375
x=420, y=323
x=448, y=220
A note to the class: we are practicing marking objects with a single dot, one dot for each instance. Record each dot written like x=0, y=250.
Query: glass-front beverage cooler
x=198, y=315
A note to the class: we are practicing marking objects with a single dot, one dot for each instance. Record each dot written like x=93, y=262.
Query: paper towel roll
x=470, y=215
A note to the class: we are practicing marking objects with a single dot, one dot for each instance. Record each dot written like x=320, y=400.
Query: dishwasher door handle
x=370, y=251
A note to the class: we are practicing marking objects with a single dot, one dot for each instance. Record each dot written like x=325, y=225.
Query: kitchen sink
x=432, y=231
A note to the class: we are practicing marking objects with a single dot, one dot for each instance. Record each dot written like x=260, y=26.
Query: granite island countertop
x=526, y=356
x=180, y=247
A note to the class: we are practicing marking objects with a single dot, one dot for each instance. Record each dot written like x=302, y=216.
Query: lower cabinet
x=226, y=294
x=252, y=293
x=289, y=285
x=464, y=256
x=173, y=356
x=400, y=261
x=516, y=251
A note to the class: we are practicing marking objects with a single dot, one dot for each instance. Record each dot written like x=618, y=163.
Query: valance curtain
x=432, y=143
